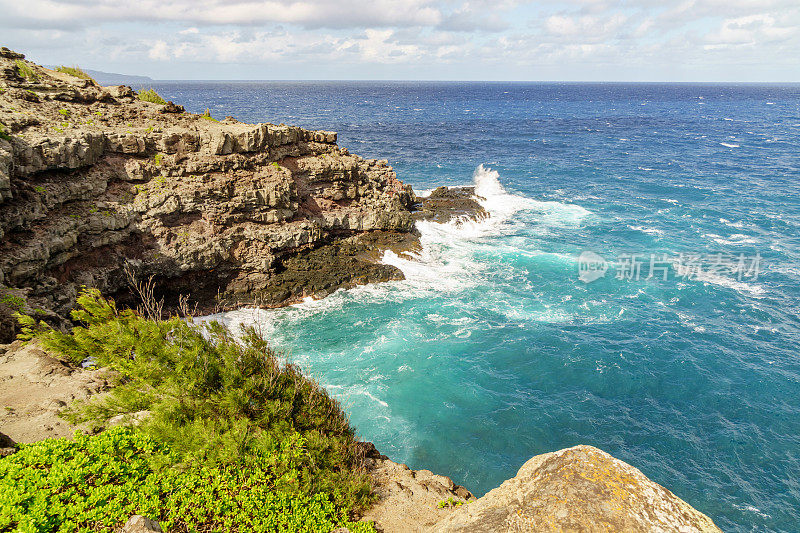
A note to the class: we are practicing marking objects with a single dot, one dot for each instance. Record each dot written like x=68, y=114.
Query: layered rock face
x=93, y=179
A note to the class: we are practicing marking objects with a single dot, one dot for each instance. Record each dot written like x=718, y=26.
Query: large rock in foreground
x=579, y=489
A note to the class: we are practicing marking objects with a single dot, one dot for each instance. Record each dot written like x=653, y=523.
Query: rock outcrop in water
x=93, y=179
x=444, y=204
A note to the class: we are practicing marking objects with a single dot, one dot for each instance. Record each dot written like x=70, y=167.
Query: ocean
x=637, y=287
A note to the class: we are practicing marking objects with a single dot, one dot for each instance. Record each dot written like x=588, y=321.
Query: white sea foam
x=737, y=239
x=731, y=224
x=742, y=287
x=502, y=205
x=650, y=231
x=730, y=145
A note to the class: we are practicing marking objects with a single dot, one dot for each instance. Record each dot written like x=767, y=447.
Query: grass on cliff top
x=74, y=71
x=236, y=439
x=150, y=95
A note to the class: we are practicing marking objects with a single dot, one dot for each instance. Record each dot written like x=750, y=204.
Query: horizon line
x=469, y=81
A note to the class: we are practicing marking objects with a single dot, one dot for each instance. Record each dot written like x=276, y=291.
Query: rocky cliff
x=94, y=179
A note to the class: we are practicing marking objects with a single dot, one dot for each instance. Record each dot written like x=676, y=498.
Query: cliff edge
x=94, y=180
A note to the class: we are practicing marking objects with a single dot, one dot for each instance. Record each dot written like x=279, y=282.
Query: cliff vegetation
x=222, y=435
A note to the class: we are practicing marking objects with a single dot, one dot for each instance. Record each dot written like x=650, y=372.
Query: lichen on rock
x=580, y=489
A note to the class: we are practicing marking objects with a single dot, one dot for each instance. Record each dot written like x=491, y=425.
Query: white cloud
x=306, y=13
x=349, y=38
x=158, y=51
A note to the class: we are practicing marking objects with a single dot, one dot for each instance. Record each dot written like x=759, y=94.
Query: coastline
x=358, y=198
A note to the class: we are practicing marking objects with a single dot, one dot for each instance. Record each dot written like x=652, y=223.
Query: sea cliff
x=100, y=188
x=94, y=181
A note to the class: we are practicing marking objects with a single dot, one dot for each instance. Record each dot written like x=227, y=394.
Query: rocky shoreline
x=99, y=188
x=94, y=180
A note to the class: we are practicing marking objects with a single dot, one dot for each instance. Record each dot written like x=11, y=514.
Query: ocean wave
x=650, y=231
x=742, y=287
x=501, y=205
x=727, y=222
x=737, y=239
x=730, y=145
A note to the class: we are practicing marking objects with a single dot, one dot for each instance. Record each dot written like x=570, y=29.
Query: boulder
x=140, y=524
x=579, y=489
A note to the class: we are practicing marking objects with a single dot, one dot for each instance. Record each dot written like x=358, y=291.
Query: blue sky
x=576, y=40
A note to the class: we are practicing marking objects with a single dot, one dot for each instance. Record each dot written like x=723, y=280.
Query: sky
x=571, y=40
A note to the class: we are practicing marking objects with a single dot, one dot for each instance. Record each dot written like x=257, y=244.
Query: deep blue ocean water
x=494, y=350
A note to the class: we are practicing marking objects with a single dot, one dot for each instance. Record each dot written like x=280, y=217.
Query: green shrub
x=26, y=71
x=215, y=400
x=96, y=482
x=11, y=300
x=64, y=112
x=449, y=502
x=74, y=71
x=207, y=115
x=150, y=95
x=3, y=133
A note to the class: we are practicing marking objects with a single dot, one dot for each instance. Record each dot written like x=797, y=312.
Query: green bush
x=3, y=133
x=97, y=482
x=207, y=115
x=11, y=300
x=74, y=71
x=26, y=71
x=150, y=95
x=216, y=401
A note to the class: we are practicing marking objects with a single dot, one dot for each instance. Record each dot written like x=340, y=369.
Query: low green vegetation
x=96, y=482
x=64, y=112
x=207, y=115
x=158, y=158
x=10, y=300
x=235, y=439
x=3, y=133
x=150, y=95
x=74, y=71
x=26, y=71
x=450, y=502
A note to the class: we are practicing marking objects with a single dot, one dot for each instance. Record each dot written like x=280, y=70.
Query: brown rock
x=35, y=388
x=171, y=107
x=408, y=500
x=444, y=204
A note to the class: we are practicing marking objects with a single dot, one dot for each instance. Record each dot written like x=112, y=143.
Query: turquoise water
x=494, y=350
